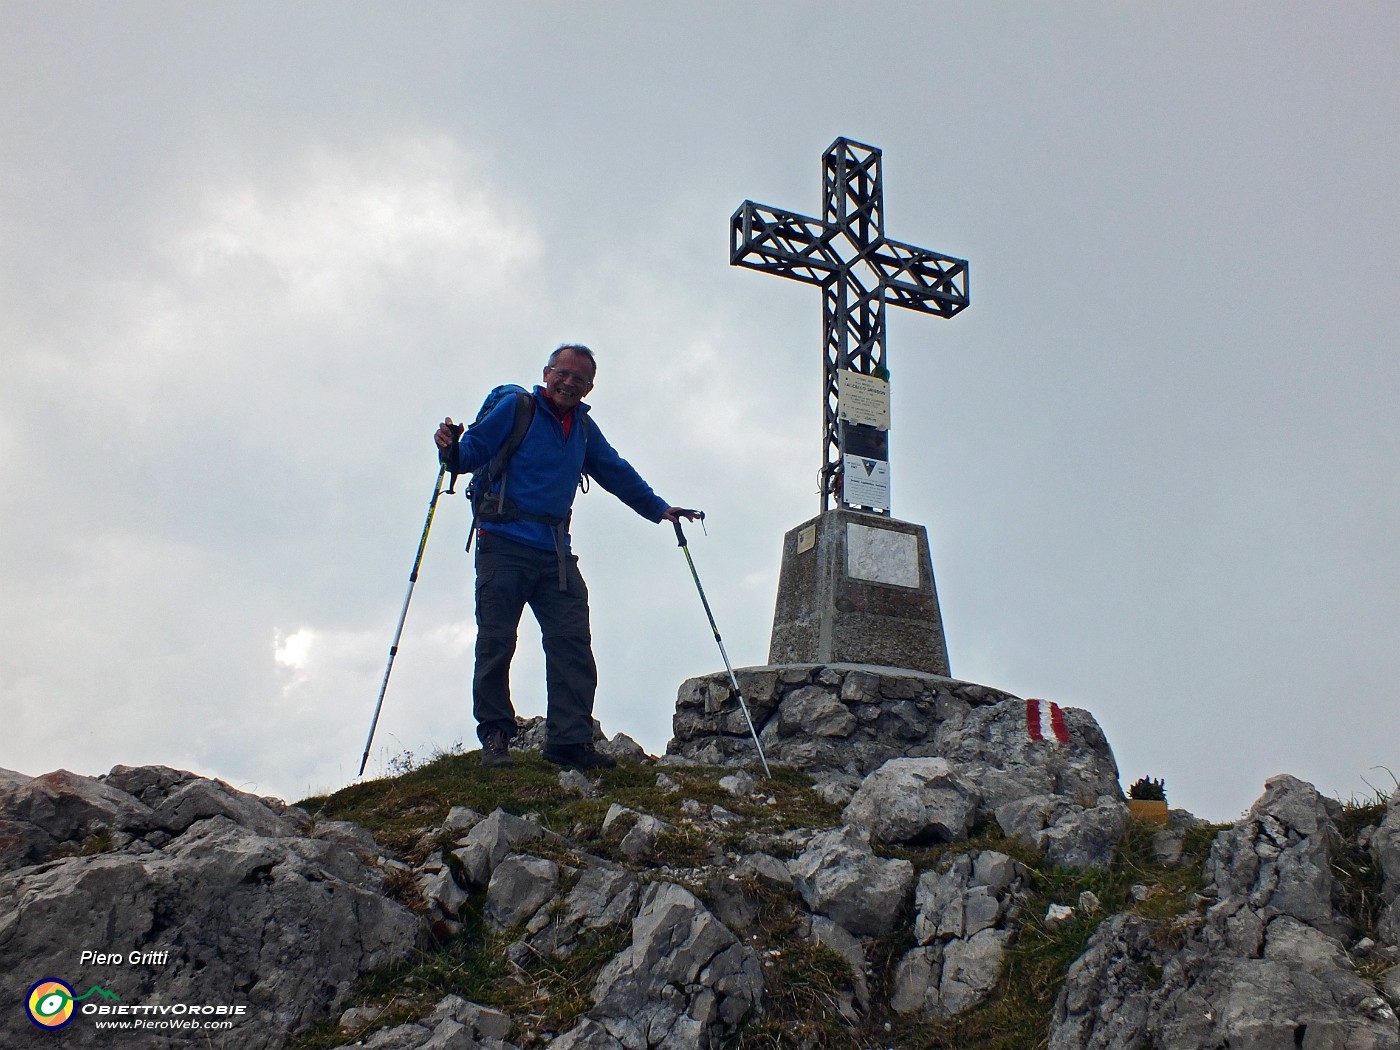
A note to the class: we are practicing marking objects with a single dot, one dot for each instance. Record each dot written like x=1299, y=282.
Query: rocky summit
x=931, y=864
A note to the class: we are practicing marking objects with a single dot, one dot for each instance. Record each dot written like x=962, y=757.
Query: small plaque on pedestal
x=882, y=555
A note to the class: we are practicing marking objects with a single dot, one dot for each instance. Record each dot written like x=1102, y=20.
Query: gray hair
x=577, y=348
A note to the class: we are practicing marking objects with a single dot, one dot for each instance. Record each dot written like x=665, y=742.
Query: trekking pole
x=733, y=682
x=403, y=613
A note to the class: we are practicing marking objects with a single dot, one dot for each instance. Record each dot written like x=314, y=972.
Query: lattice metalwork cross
x=860, y=271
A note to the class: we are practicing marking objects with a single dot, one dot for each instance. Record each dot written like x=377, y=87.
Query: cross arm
x=782, y=242
x=918, y=279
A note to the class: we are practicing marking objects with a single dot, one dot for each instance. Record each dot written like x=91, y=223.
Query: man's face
x=568, y=379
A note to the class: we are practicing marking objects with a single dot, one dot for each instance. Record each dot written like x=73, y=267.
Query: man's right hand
x=448, y=432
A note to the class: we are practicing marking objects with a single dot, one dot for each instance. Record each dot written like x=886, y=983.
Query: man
x=523, y=556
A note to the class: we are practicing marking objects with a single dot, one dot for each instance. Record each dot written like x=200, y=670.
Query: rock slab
x=186, y=893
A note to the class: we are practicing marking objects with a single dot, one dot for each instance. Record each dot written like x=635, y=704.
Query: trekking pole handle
x=680, y=536
x=457, y=430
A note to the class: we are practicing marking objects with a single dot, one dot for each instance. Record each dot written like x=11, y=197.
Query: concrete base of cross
x=858, y=588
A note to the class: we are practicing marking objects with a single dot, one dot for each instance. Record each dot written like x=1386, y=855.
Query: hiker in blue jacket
x=523, y=555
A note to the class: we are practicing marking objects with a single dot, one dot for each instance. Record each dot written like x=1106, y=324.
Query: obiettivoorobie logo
x=50, y=1001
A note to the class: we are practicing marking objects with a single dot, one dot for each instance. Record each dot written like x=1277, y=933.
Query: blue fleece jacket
x=542, y=476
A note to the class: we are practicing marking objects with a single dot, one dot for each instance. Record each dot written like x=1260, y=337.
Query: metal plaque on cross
x=859, y=270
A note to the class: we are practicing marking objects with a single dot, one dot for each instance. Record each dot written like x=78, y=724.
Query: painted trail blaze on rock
x=1045, y=721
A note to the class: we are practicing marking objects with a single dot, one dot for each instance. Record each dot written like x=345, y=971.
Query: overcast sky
x=251, y=253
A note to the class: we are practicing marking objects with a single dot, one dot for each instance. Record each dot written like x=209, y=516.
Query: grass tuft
x=811, y=995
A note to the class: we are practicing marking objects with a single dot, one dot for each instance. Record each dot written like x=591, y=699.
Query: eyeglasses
x=565, y=376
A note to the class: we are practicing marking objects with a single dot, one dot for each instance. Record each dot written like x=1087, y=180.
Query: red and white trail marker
x=1045, y=721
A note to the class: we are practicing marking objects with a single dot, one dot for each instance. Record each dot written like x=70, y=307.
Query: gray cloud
x=250, y=254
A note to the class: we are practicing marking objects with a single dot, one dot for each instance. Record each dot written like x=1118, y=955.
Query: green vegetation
x=1359, y=876
x=400, y=811
x=1147, y=789
x=99, y=842
x=1017, y=1015
x=805, y=985
x=542, y=995
x=809, y=989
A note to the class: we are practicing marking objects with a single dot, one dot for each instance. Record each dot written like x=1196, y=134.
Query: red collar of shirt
x=566, y=420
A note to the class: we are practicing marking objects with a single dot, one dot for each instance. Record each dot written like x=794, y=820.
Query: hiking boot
x=495, y=751
x=579, y=756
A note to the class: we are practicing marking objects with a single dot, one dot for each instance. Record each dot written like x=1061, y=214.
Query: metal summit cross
x=860, y=271
x=856, y=586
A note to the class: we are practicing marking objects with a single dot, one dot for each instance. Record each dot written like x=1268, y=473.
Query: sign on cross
x=860, y=271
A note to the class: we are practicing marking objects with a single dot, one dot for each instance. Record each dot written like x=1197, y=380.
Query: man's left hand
x=675, y=514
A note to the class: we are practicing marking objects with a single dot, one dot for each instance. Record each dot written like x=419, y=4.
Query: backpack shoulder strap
x=524, y=416
x=492, y=476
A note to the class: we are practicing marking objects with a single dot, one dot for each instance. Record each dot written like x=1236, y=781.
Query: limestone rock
x=915, y=985
x=961, y=908
x=1107, y=998
x=488, y=842
x=915, y=801
x=1385, y=845
x=603, y=896
x=741, y=784
x=588, y=1034
x=351, y=836
x=442, y=895
x=839, y=876
x=41, y=814
x=460, y=820
x=732, y=901
x=1390, y=984
x=823, y=931
x=482, y=1021
x=254, y=914
x=970, y=969
x=946, y=979
x=1267, y=967
x=1277, y=861
x=257, y=904
x=920, y=758
x=966, y=894
x=520, y=886
x=995, y=737
x=453, y=1024
x=190, y=798
x=358, y=1017
x=1070, y=834
x=638, y=832
x=684, y=982
x=835, y=787
x=1288, y=997
x=766, y=869
x=576, y=783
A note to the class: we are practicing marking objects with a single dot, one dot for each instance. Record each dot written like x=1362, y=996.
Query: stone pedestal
x=858, y=588
x=826, y=718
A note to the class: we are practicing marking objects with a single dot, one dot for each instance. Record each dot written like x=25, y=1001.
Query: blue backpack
x=487, y=489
